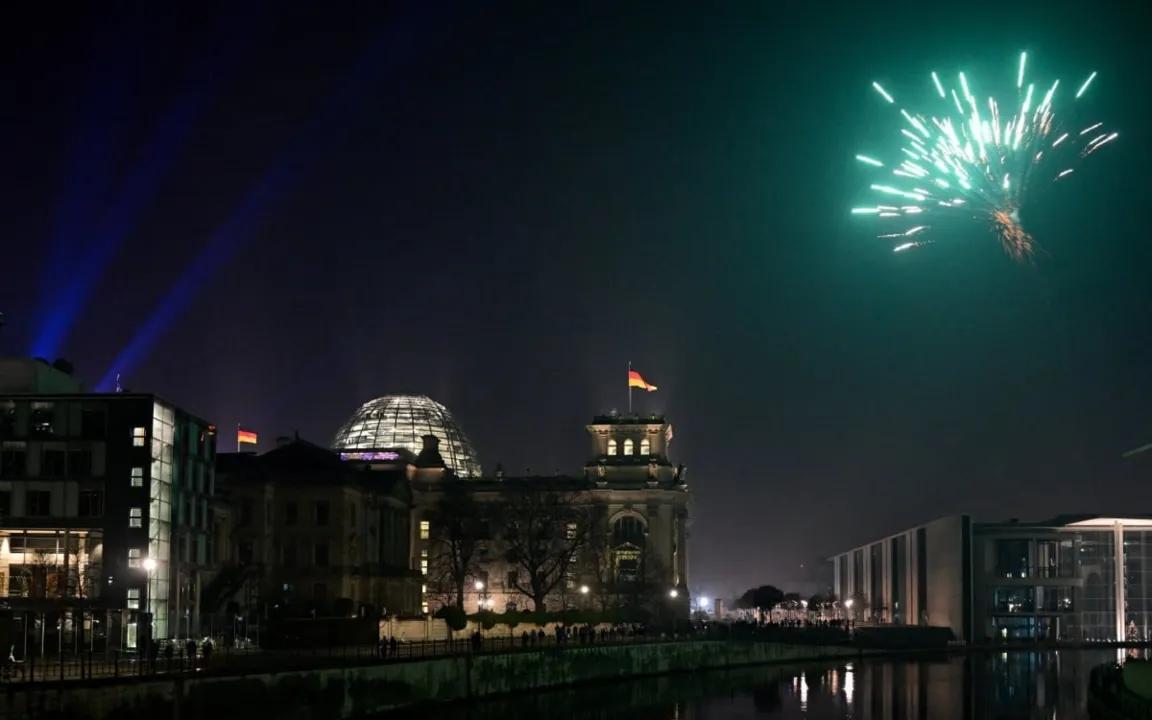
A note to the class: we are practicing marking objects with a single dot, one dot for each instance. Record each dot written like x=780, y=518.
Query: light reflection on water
x=1044, y=685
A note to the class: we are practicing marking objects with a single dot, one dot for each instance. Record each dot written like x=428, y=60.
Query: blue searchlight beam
x=142, y=185
x=92, y=151
x=388, y=48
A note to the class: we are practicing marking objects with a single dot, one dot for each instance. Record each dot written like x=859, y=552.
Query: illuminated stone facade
x=315, y=533
x=642, y=532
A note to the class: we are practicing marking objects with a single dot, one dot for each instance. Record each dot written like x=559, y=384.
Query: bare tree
x=545, y=531
x=599, y=564
x=44, y=575
x=458, y=532
x=82, y=581
x=24, y=573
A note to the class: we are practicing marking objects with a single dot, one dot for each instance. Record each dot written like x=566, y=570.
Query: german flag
x=636, y=381
x=245, y=437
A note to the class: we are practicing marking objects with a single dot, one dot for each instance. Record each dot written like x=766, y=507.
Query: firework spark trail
x=972, y=160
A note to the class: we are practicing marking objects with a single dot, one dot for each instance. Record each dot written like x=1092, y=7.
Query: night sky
x=502, y=207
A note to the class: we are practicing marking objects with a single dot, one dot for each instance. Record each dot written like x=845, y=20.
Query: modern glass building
x=400, y=422
x=1075, y=577
x=1082, y=577
x=104, y=516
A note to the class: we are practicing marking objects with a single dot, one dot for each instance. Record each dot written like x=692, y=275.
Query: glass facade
x=401, y=421
x=1138, y=584
x=1078, y=580
x=160, y=518
x=1097, y=613
x=1012, y=559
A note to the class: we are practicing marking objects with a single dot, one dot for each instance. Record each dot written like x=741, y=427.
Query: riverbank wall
x=327, y=693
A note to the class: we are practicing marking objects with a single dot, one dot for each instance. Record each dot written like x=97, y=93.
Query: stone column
x=681, y=548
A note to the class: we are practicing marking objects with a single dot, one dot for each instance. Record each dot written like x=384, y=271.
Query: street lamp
x=483, y=601
x=673, y=593
x=583, y=589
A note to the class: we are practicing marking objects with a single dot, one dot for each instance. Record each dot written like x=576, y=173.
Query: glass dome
x=401, y=421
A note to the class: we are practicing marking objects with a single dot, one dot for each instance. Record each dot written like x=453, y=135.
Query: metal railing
x=232, y=661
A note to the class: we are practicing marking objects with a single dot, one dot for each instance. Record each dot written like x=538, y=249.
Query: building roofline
x=1059, y=522
x=854, y=548
x=95, y=396
x=630, y=419
x=1078, y=521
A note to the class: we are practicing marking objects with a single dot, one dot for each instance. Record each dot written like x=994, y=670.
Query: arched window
x=628, y=446
x=611, y=447
x=628, y=530
x=645, y=447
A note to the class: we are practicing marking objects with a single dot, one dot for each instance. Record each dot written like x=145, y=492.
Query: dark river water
x=1049, y=685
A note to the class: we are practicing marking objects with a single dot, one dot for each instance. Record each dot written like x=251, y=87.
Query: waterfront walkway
x=243, y=661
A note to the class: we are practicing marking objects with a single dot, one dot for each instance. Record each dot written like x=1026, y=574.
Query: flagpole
x=629, y=387
x=238, y=426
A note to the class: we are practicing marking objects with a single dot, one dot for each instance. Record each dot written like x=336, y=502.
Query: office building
x=1073, y=577
x=104, y=505
x=922, y=576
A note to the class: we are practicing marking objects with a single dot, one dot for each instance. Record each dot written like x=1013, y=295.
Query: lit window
x=423, y=589
x=138, y=477
x=424, y=608
x=611, y=447
x=135, y=558
x=425, y=529
x=423, y=567
x=136, y=517
x=139, y=436
x=629, y=446
x=133, y=598
x=645, y=447
x=571, y=531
